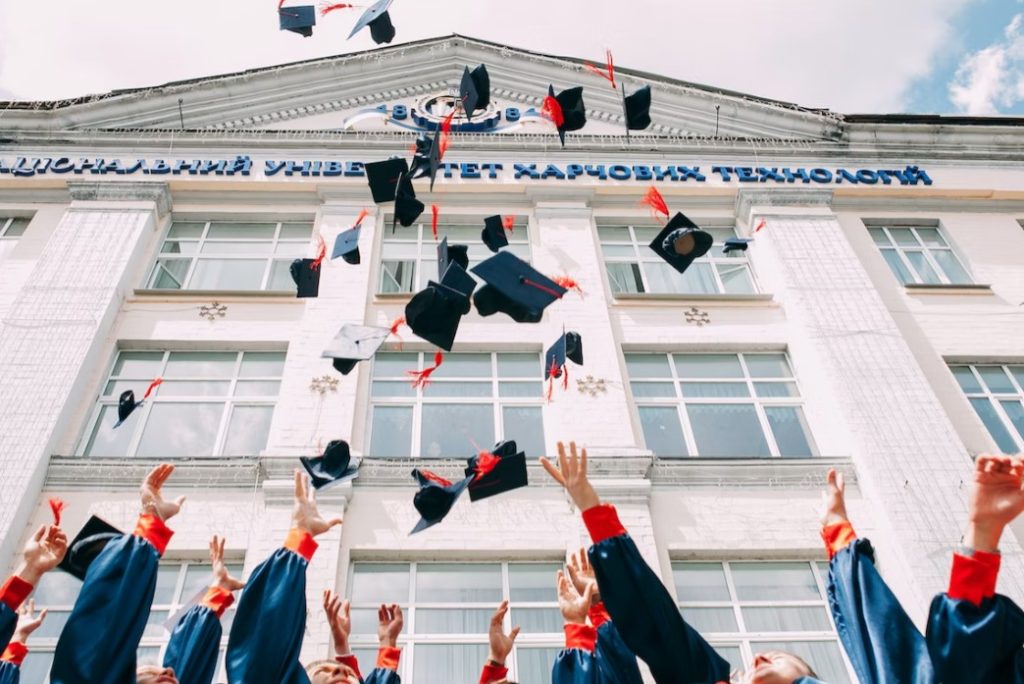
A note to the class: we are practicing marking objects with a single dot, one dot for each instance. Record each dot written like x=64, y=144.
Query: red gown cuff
x=580, y=636
x=15, y=653
x=155, y=531
x=973, y=578
x=218, y=599
x=602, y=522
x=14, y=591
x=387, y=657
x=598, y=615
x=493, y=673
x=837, y=537
x=301, y=542
x=352, y=662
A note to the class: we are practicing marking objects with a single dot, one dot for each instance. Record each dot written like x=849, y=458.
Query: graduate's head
x=153, y=674
x=331, y=672
x=777, y=667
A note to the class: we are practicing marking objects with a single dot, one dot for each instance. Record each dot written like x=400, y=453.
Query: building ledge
x=739, y=300
x=970, y=289
x=220, y=295
x=790, y=473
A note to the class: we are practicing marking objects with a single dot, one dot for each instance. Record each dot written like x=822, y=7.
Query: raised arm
x=644, y=612
x=500, y=646
x=42, y=553
x=576, y=663
x=17, y=649
x=975, y=634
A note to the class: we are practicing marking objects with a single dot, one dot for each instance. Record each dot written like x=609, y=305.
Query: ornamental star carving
x=697, y=317
x=324, y=384
x=213, y=311
x=591, y=386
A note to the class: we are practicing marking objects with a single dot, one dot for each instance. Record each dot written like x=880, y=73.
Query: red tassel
x=420, y=379
x=551, y=387
x=569, y=284
x=655, y=201
x=542, y=288
x=446, y=133
x=434, y=477
x=321, y=252
x=57, y=506
x=608, y=73
x=152, y=386
x=359, y=219
x=485, y=463
x=553, y=111
x=761, y=224
x=509, y=223
x=325, y=8
x=565, y=377
x=395, y=325
x=433, y=221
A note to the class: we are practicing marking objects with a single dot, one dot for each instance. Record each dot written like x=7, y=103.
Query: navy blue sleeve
x=976, y=643
x=616, y=664
x=574, y=666
x=8, y=621
x=643, y=611
x=194, y=646
x=102, y=633
x=382, y=675
x=878, y=636
x=9, y=673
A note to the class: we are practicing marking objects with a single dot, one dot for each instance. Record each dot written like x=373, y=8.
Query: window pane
x=786, y=619
x=822, y=656
x=257, y=388
x=457, y=389
x=457, y=621
x=1015, y=412
x=538, y=620
x=17, y=227
x=105, y=440
x=785, y=581
x=464, y=366
x=53, y=625
x=201, y=365
x=990, y=418
x=535, y=663
x=227, y=274
x=966, y=379
x=950, y=265
x=141, y=365
x=236, y=231
x=450, y=430
x=736, y=279
x=931, y=237
x=397, y=276
x=643, y=390
x=262, y=365
x=624, y=278
x=662, y=432
x=776, y=389
x=459, y=582
x=36, y=666
x=897, y=266
x=613, y=233
x=708, y=620
x=731, y=654
x=663, y=279
x=394, y=365
x=519, y=366
x=364, y=621
x=700, y=582
x=447, y=663
x=879, y=236
x=1018, y=374
x=768, y=366
x=170, y=274
x=57, y=589
x=235, y=248
x=792, y=434
x=380, y=583
x=391, y=431
x=180, y=247
x=198, y=577
x=180, y=229
x=699, y=278
x=533, y=581
x=708, y=366
x=727, y=430
x=296, y=231
x=715, y=389
x=648, y=366
x=392, y=388
x=903, y=236
x=525, y=424
x=924, y=269
x=148, y=655
x=248, y=430
x=166, y=583
x=521, y=389
x=192, y=388
x=996, y=379
x=281, y=277
x=181, y=430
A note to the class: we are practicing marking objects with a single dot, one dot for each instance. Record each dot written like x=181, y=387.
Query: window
x=210, y=404
x=409, y=255
x=919, y=255
x=177, y=583
x=997, y=395
x=743, y=608
x=719, y=405
x=219, y=255
x=447, y=609
x=471, y=401
x=633, y=267
x=10, y=230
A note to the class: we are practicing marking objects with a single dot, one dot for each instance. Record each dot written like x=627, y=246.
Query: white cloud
x=992, y=79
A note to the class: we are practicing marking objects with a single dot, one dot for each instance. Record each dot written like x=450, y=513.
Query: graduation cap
x=377, y=18
x=300, y=19
x=333, y=468
x=384, y=176
x=566, y=110
x=680, y=242
x=434, y=313
x=87, y=545
x=407, y=207
x=569, y=346
x=435, y=498
x=126, y=403
x=736, y=244
x=447, y=254
x=475, y=90
x=354, y=343
x=306, y=274
x=514, y=288
x=494, y=233
x=420, y=166
x=346, y=246
x=500, y=470
x=637, y=108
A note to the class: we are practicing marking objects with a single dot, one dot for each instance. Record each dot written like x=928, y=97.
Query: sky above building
x=872, y=56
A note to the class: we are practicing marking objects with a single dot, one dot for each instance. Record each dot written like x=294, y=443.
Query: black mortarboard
x=86, y=545
x=515, y=288
x=447, y=254
x=637, y=108
x=334, y=467
x=306, y=274
x=494, y=233
x=300, y=19
x=377, y=18
x=574, y=112
x=681, y=241
x=475, y=90
x=354, y=343
x=384, y=176
x=126, y=403
x=407, y=207
x=491, y=477
x=434, y=313
x=420, y=166
x=346, y=246
x=569, y=346
x=435, y=498
x=735, y=244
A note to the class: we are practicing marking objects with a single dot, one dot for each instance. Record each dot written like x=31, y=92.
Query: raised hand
x=571, y=473
x=305, y=515
x=27, y=621
x=834, y=499
x=574, y=606
x=221, y=577
x=389, y=624
x=152, y=499
x=42, y=553
x=500, y=643
x=582, y=574
x=340, y=620
x=997, y=498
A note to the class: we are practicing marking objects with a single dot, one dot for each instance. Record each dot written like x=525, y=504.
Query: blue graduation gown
x=9, y=673
x=8, y=621
x=194, y=646
x=380, y=675
x=643, y=611
x=616, y=664
x=98, y=643
x=577, y=663
x=13, y=591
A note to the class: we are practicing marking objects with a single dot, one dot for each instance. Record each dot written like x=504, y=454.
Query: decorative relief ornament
x=591, y=385
x=213, y=311
x=324, y=384
x=698, y=317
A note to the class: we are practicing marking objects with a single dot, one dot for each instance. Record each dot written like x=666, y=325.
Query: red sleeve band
x=580, y=636
x=973, y=578
x=602, y=522
x=15, y=653
x=155, y=531
x=387, y=657
x=352, y=662
x=14, y=591
x=493, y=673
x=301, y=542
x=218, y=599
x=837, y=537
x=598, y=615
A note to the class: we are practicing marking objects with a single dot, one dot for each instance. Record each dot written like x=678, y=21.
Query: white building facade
x=873, y=325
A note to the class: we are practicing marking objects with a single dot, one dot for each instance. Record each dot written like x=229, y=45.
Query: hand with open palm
x=571, y=473
x=574, y=605
x=997, y=498
x=152, y=497
x=42, y=553
x=500, y=643
x=221, y=577
x=28, y=621
x=305, y=515
x=834, y=499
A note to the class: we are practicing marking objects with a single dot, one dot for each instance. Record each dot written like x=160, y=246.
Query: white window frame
x=926, y=250
x=141, y=415
x=409, y=638
x=292, y=248
x=679, y=402
x=643, y=254
x=418, y=399
x=996, y=399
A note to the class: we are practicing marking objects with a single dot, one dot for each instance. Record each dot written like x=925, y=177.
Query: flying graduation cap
x=497, y=471
x=736, y=244
x=354, y=343
x=87, y=545
x=475, y=90
x=390, y=182
x=569, y=346
x=126, y=403
x=566, y=110
x=447, y=254
x=407, y=207
x=680, y=242
x=377, y=18
x=637, y=108
x=435, y=498
x=332, y=468
x=299, y=19
x=346, y=245
x=515, y=288
x=435, y=312
x=494, y=233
